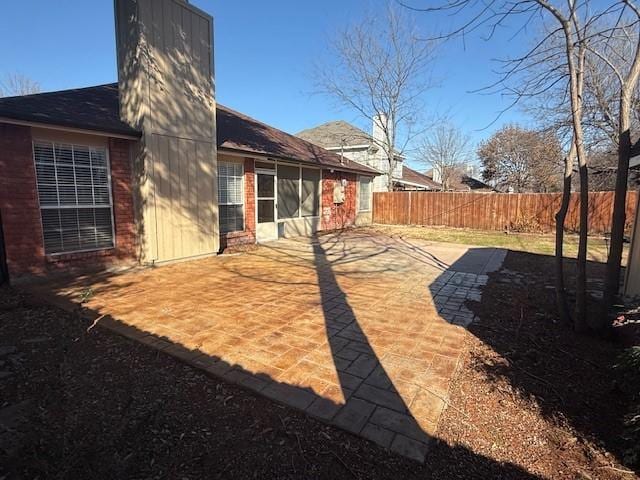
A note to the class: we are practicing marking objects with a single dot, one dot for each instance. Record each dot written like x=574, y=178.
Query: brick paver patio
x=362, y=331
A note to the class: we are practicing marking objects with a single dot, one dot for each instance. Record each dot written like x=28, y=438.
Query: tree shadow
x=365, y=399
x=569, y=377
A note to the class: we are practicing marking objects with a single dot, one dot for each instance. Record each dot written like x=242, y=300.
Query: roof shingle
x=335, y=134
x=97, y=109
x=92, y=108
x=411, y=176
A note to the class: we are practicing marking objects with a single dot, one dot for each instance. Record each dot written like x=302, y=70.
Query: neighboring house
x=463, y=183
x=150, y=169
x=354, y=144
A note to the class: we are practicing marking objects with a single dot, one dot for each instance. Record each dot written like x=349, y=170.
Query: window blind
x=75, y=197
x=231, y=196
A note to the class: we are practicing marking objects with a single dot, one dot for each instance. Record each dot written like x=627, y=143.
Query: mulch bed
x=531, y=400
x=532, y=391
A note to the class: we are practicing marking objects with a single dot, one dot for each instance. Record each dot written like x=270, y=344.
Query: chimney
x=166, y=86
x=380, y=122
x=436, y=175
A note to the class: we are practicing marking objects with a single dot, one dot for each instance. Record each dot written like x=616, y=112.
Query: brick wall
x=19, y=202
x=248, y=235
x=21, y=212
x=337, y=216
x=122, y=188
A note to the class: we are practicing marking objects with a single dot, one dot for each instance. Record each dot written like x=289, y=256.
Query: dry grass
x=523, y=242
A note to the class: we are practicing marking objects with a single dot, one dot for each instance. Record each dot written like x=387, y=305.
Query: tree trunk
x=561, y=294
x=576, y=84
x=612, y=276
x=581, y=278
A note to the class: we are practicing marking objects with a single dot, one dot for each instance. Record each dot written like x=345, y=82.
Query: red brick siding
x=250, y=197
x=122, y=188
x=248, y=235
x=21, y=212
x=19, y=202
x=337, y=216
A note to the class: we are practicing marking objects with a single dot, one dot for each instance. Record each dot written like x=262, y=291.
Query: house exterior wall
x=165, y=71
x=342, y=215
x=20, y=209
x=376, y=160
x=632, y=274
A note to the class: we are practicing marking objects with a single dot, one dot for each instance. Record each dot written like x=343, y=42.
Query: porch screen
x=230, y=196
x=288, y=191
x=75, y=197
x=310, y=201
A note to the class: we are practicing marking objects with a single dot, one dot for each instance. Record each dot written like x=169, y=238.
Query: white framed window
x=364, y=198
x=231, y=196
x=74, y=190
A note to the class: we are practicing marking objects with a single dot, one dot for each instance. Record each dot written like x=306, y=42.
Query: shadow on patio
x=367, y=384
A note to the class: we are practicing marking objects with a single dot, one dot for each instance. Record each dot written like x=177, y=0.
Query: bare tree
x=569, y=27
x=446, y=149
x=522, y=159
x=627, y=91
x=14, y=84
x=380, y=68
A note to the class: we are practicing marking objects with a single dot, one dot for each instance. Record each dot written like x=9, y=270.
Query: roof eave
x=414, y=184
x=72, y=127
x=297, y=160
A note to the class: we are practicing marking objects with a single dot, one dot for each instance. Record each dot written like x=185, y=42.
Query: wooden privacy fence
x=532, y=212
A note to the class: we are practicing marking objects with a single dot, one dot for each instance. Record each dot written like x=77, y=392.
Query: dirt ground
x=531, y=400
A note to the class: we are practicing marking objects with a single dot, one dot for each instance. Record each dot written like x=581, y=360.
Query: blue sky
x=264, y=55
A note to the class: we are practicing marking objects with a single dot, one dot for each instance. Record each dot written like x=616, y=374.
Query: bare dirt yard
x=530, y=400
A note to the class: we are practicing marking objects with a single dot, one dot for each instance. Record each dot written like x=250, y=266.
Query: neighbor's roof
x=97, y=109
x=412, y=177
x=335, y=134
x=466, y=183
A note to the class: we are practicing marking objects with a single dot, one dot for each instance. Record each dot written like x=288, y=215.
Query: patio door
x=266, y=227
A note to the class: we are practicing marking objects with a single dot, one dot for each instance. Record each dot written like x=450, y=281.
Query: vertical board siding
x=495, y=211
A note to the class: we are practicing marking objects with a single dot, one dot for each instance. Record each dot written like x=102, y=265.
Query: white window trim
x=244, y=207
x=370, y=181
x=88, y=144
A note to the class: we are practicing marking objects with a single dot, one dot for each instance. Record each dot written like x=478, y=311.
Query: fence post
x=410, y=207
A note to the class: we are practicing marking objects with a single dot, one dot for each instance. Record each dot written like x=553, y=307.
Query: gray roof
x=335, y=134
x=90, y=108
x=98, y=109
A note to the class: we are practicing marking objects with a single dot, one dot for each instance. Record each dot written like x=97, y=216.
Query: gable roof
x=98, y=109
x=334, y=134
x=413, y=177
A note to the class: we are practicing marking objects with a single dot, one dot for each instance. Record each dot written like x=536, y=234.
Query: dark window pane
x=310, y=192
x=265, y=165
x=288, y=191
x=265, y=211
x=265, y=185
x=231, y=218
